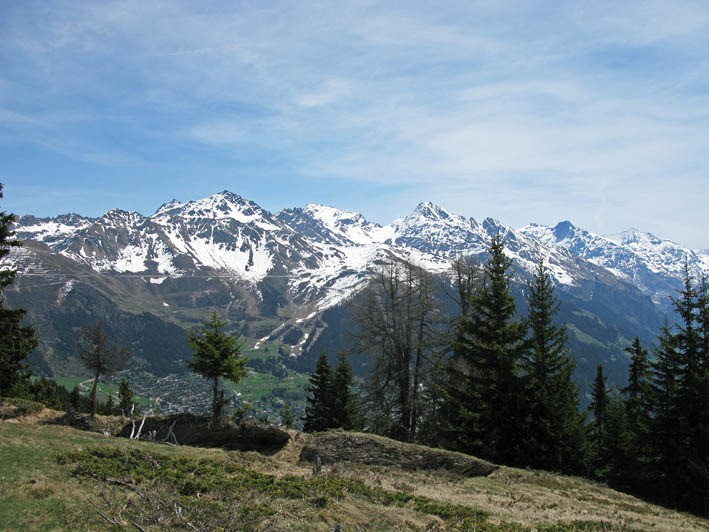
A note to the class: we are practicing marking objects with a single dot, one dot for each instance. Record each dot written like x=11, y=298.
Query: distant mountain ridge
x=317, y=244
x=284, y=276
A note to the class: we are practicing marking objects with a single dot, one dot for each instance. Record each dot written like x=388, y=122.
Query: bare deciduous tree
x=100, y=355
x=397, y=319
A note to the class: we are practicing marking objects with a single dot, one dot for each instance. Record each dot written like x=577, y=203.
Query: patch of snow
x=163, y=257
x=64, y=290
x=252, y=265
x=308, y=317
x=131, y=259
x=303, y=340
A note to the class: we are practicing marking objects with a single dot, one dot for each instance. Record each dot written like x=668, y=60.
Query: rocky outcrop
x=368, y=449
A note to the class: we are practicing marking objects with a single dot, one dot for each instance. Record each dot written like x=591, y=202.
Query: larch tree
x=396, y=319
x=100, y=355
x=217, y=355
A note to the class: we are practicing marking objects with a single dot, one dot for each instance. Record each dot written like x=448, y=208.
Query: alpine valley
x=284, y=280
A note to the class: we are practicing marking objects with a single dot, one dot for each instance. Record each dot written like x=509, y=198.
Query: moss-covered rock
x=336, y=446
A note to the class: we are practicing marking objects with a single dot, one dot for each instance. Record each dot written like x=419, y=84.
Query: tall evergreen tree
x=636, y=397
x=678, y=405
x=665, y=412
x=125, y=395
x=459, y=409
x=692, y=425
x=599, y=403
x=636, y=389
x=613, y=451
x=16, y=340
x=487, y=404
x=599, y=408
x=553, y=434
x=318, y=409
x=343, y=400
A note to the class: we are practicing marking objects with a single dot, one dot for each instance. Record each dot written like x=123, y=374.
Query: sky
x=525, y=111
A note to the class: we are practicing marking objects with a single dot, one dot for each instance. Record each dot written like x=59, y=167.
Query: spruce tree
x=599, y=403
x=125, y=395
x=459, y=409
x=613, y=454
x=665, y=416
x=287, y=416
x=636, y=389
x=217, y=355
x=691, y=474
x=75, y=398
x=16, y=340
x=636, y=397
x=487, y=402
x=343, y=401
x=318, y=409
x=554, y=428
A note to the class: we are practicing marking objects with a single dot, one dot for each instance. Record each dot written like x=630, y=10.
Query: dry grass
x=38, y=493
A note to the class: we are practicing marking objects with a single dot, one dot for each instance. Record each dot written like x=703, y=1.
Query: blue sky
x=525, y=111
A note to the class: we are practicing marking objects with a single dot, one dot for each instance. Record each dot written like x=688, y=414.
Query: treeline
x=500, y=386
x=652, y=436
x=53, y=395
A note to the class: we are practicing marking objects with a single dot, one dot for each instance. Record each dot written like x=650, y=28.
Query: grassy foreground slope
x=58, y=478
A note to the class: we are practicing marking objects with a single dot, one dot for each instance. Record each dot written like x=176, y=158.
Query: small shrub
x=22, y=407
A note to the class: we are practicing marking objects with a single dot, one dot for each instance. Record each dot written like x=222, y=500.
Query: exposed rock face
x=368, y=449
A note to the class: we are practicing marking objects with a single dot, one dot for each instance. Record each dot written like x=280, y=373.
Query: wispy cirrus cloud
x=592, y=111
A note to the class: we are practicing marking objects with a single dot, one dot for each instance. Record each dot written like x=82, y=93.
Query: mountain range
x=286, y=277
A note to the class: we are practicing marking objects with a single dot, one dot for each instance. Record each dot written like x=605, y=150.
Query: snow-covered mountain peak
x=224, y=205
x=492, y=227
x=168, y=207
x=121, y=217
x=635, y=237
x=347, y=224
x=564, y=230
x=427, y=212
x=333, y=217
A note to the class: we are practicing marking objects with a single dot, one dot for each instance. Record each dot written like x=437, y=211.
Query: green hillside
x=54, y=477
